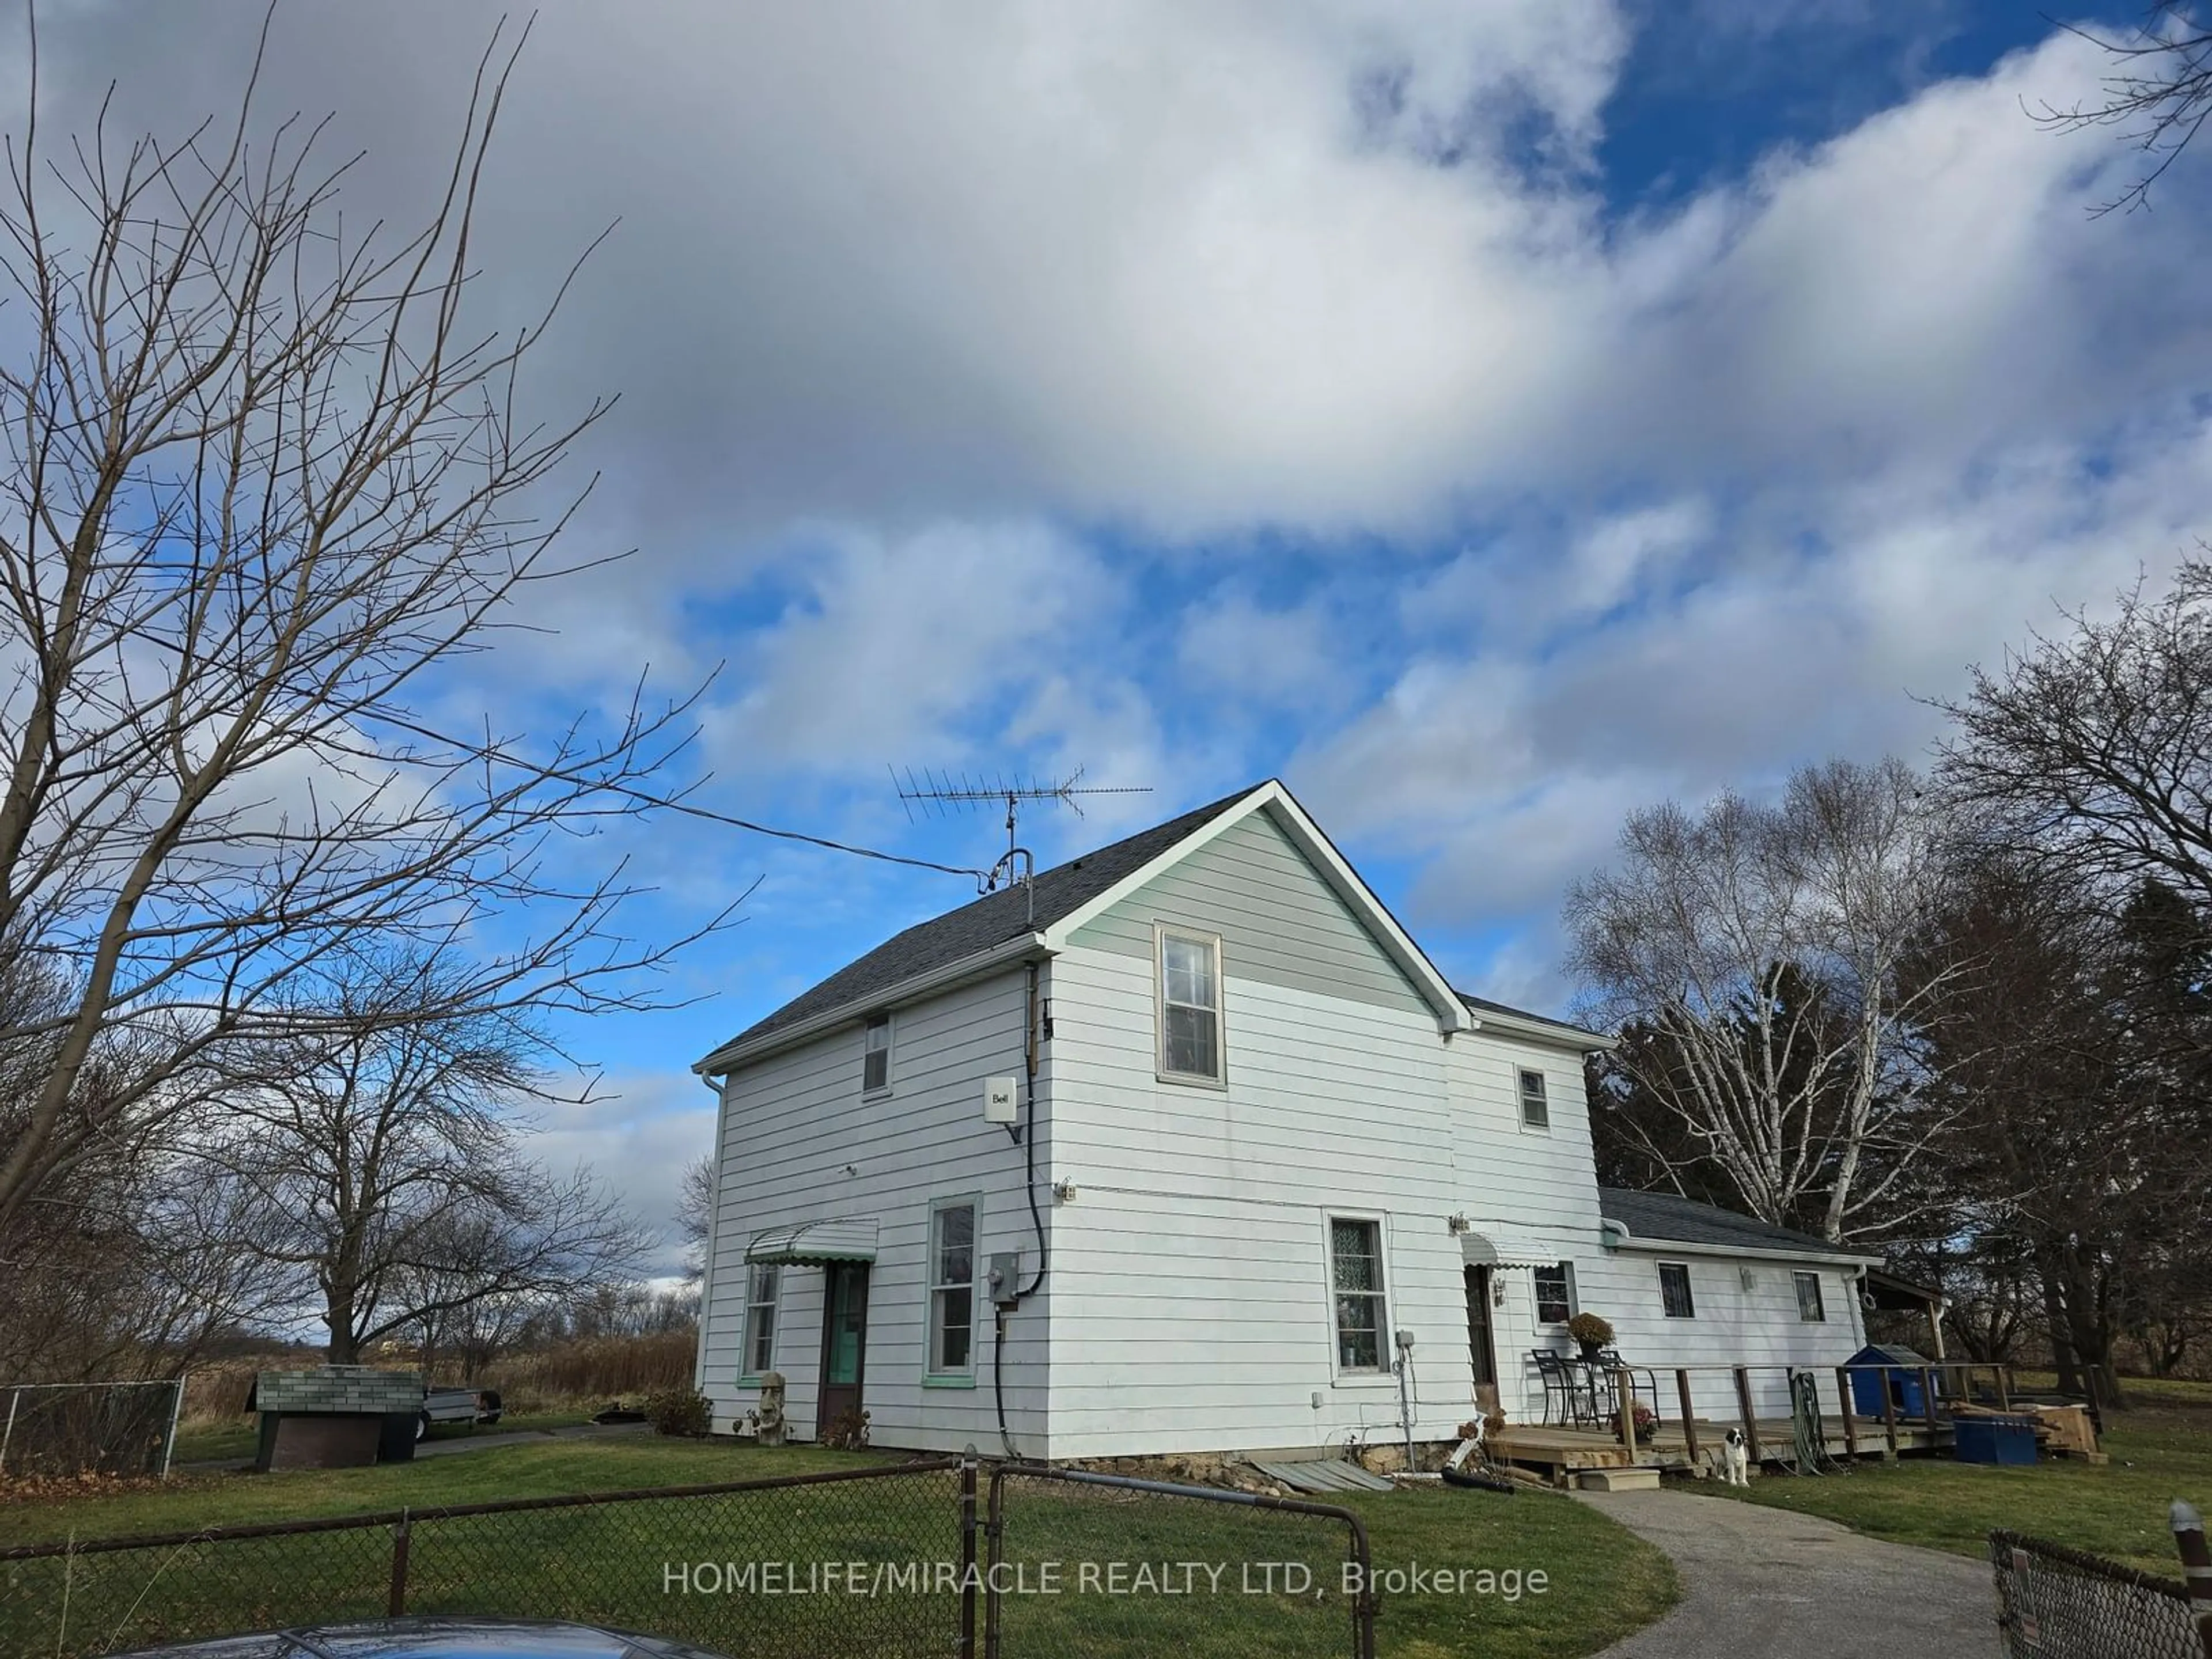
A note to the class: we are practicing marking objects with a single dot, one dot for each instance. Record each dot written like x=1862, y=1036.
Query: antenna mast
x=941, y=794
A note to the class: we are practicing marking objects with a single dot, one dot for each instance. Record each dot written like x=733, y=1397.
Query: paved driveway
x=1762, y=1584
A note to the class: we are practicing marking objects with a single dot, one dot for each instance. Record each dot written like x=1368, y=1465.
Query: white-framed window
x=1674, y=1297
x=1555, y=1293
x=876, y=1054
x=1355, y=1282
x=1188, y=966
x=763, y=1283
x=952, y=1287
x=1535, y=1109
x=1810, y=1308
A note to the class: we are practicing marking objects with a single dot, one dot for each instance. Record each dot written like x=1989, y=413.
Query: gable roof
x=1003, y=926
x=1662, y=1218
x=977, y=928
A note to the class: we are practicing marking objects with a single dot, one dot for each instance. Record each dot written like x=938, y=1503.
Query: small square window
x=1674, y=1290
x=1536, y=1109
x=876, y=1056
x=1555, y=1293
x=1810, y=1308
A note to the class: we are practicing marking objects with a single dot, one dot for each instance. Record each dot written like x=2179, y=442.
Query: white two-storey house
x=1172, y=1150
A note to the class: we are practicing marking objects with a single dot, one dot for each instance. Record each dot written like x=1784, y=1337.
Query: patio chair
x=1567, y=1383
x=1642, y=1382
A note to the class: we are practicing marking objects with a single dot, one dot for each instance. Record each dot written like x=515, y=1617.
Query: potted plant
x=1592, y=1331
x=1645, y=1421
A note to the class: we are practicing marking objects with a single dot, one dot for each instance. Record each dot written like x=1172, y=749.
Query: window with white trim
x=761, y=1284
x=1555, y=1293
x=876, y=1054
x=1190, y=969
x=952, y=1289
x=1810, y=1308
x=1355, y=1279
x=1674, y=1297
x=1536, y=1109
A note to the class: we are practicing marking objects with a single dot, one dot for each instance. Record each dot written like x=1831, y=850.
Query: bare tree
x=261, y=480
x=2093, y=751
x=388, y=1173
x=2160, y=89
x=1756, y=949
x=695, y=1212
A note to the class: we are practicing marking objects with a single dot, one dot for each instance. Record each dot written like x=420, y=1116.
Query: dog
x=1735, y=1458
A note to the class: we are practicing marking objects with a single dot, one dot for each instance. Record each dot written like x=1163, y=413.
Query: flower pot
x=1592, y=1350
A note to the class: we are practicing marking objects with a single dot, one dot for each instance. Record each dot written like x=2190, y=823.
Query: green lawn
x=2160, y=1450
x=610, y=1562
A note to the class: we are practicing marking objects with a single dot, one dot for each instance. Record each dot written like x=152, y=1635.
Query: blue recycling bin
x=1994, y=1439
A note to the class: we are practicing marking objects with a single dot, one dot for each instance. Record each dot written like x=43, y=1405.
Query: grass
x=608, y=1562
x=2161, y=1449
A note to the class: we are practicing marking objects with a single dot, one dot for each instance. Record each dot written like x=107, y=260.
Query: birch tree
x=1757, y=948
x=263, y=480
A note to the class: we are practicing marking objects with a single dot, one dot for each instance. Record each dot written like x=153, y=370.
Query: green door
x=844, y=1340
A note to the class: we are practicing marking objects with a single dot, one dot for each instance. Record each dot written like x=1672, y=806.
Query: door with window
x=1480, y=1345
x=844, y=1340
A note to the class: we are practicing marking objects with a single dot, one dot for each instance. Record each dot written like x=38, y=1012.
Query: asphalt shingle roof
x=988, y=923
x=1686, y=1221
x=1482, y=1003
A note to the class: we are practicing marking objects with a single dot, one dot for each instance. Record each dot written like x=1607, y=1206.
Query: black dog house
x=1898, y=1376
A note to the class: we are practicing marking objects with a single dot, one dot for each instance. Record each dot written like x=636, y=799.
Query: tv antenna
x=941, y=794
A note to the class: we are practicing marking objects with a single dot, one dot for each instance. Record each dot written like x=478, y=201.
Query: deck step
x=1641, y=1478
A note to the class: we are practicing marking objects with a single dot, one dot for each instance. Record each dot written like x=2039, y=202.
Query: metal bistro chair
x=1568, y=1384
x=1641, y=1378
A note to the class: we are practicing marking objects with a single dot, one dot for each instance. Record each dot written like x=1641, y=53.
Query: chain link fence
x=2059, y=1603
x=76, y=1428
x=863, y=1562
x=1108, y=1567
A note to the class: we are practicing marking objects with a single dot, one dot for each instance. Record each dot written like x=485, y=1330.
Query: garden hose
x=1806, y=1428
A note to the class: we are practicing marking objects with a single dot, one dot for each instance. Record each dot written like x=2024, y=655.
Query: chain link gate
x=2054, y=1602
x=1099, y=1565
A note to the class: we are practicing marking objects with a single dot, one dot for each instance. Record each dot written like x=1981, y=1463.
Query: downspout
x=1025, y=1133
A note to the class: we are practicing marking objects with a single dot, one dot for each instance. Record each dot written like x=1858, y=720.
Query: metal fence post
x=2196, y=1567
x=15, y=1398
x=176, y=1411
x=995, y=1534
x=967, y=1649
x=397, y=1601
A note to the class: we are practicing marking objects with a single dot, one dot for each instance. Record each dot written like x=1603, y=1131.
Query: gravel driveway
x=1763, y=1583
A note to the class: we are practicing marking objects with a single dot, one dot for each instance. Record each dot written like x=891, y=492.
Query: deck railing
x=1915, y=1400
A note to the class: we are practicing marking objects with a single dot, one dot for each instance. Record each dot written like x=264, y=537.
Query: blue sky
x=1489, y=417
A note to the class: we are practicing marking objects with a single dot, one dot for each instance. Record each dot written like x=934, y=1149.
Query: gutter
x=1572, y=1037
x=732, y=1055
x=1616, y=1236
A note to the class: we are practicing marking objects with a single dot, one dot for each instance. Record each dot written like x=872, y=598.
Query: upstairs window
x=1674, y=1290
x=1536, y=1109
x=1810, y=1308
x=1355, y=1277
x=952, y=1290
x=1555, y=1293
x=761, y=1287
x=1190, y=966
x=876, y=1056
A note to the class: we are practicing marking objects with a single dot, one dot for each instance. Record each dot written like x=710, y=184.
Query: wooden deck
x=1561, y=1452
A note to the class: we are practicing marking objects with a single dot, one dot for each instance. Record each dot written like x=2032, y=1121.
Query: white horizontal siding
x=795, y=1125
